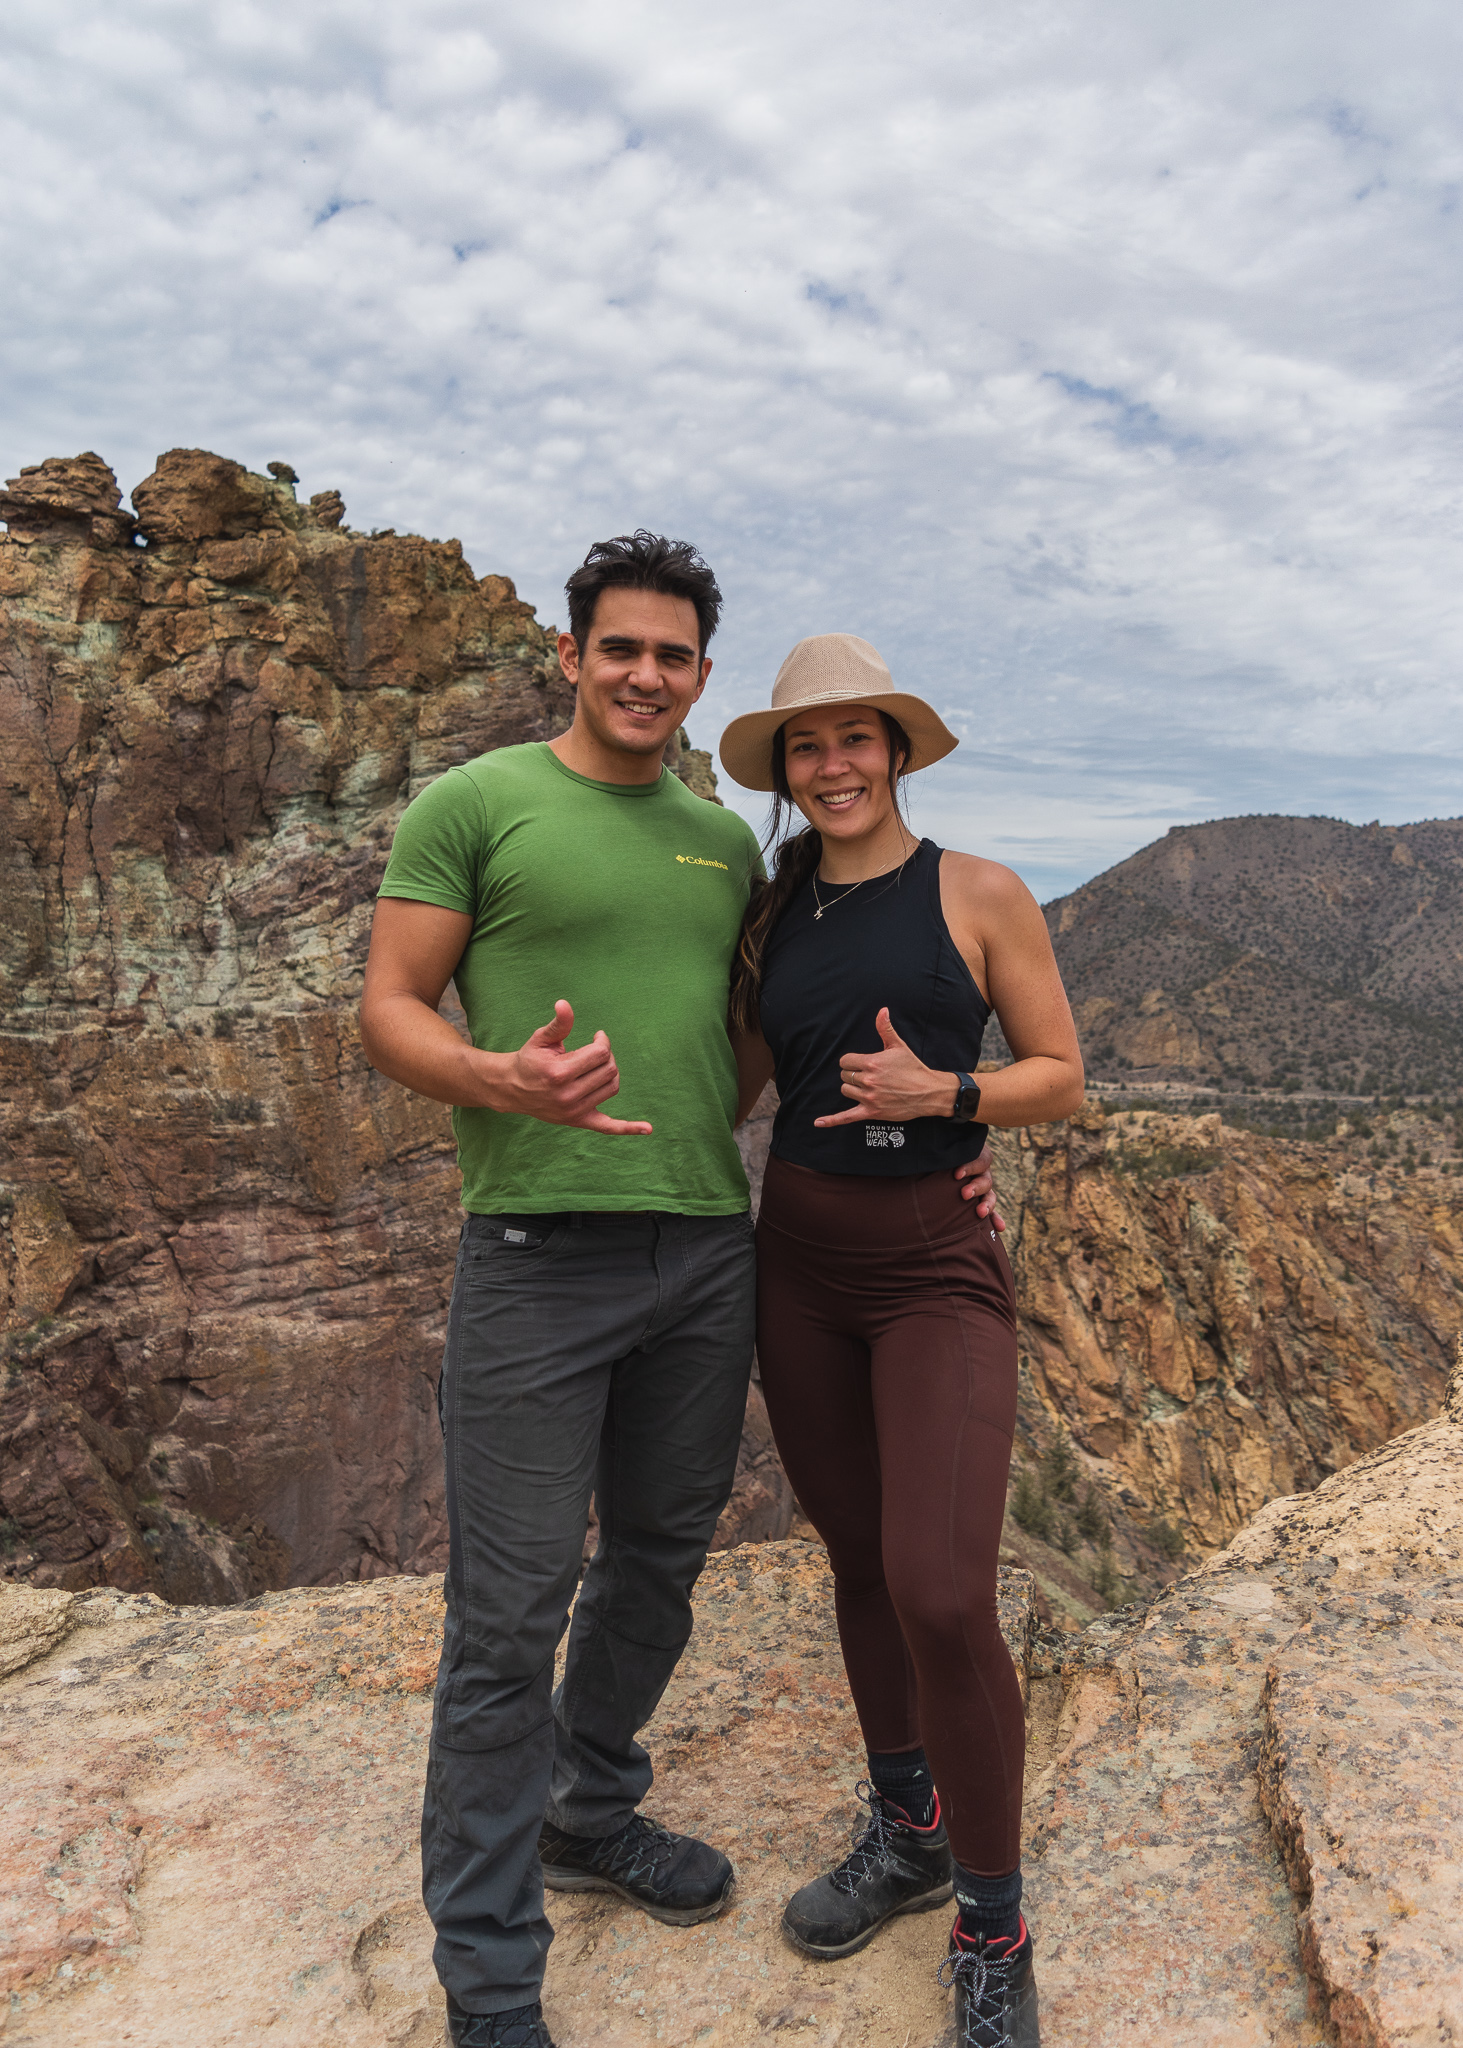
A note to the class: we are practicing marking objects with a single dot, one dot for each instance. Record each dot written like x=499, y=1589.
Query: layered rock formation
x=1285, y=1720
x=224, y=1242
x=1241, y=1827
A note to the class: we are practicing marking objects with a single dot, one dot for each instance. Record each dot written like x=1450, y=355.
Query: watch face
x=968, y=1102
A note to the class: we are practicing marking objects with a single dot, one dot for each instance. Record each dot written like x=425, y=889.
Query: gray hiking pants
x=609, y=1352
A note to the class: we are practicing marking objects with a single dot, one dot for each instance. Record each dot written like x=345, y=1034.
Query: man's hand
x=541, y=1079
x=890, y=1086
x=415, y=951
x=980, y=1188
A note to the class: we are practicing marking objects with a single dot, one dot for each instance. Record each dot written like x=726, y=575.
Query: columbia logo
x=694, y=860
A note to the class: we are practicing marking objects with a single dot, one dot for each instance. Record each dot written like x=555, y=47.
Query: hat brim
x=746, y=745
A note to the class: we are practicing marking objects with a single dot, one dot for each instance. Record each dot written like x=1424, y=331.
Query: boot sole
x=558, y=1880
x=925, y=1903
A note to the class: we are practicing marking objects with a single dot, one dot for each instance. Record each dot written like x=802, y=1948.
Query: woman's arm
x=996, y=912
x=754, y=1070
x=998, y=927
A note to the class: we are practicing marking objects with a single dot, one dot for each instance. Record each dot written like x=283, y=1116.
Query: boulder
x=65, y=501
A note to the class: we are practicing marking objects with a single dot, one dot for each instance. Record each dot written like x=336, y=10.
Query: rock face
x=1215, y=1319
x=1242, y=1807
x=224, y=1242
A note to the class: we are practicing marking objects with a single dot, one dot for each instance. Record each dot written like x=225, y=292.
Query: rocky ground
x=1243, y=1806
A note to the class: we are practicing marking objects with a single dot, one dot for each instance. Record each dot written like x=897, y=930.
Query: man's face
x=640, y=674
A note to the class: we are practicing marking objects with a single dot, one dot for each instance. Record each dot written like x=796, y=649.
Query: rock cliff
x=224, y=1242
x=1241, y=1823
x=1210, y=1319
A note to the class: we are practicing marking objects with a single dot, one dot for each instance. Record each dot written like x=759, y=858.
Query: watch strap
x=967, y=1098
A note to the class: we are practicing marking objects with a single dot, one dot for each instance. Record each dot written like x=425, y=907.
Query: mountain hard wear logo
x=883, y=1136
x=694, y=860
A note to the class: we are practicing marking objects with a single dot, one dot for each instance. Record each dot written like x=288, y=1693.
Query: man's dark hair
x=642, y=561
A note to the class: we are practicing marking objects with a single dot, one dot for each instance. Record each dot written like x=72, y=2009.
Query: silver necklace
x=850, y=887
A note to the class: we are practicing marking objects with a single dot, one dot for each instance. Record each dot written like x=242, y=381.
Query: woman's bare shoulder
x=977, y=880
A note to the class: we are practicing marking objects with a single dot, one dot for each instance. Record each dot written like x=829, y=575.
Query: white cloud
x=1097, y=361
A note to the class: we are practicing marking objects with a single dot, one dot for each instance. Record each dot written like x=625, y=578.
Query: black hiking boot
x=995, y=1991
x=893, y=1867
x=522, y=2028
x=671, y=1877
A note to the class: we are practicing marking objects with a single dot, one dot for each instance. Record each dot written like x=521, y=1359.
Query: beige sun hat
x=831, y=668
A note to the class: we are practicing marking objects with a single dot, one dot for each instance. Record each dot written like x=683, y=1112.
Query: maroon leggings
x=886, y=1332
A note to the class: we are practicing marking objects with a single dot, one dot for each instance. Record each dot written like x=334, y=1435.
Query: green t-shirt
x=626, y=900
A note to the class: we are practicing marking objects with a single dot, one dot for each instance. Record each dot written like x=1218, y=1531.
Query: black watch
x=967, y=1099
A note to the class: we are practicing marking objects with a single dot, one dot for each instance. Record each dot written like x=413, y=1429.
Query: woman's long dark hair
x=792, y=858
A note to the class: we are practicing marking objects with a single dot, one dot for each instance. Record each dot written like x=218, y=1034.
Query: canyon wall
x=225, y=1243
x=1207, y=1319
x=1210, y=1319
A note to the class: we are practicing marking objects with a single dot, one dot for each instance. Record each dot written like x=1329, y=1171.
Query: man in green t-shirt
x=587, y=906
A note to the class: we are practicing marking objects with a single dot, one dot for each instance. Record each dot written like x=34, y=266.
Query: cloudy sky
x=1098, y=360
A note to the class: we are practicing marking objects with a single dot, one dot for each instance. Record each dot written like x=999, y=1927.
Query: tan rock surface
x=211, y=1828
x=225, y=1244
x=1304, y=1689
x=33, y=1620
x=211, y=1831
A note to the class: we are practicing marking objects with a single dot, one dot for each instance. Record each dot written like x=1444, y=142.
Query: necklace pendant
x=816, y=915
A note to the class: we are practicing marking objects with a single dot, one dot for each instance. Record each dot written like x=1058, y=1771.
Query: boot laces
x=526, y=2031
x=873, y=1842
x=982, y=1977
x=637, y=1853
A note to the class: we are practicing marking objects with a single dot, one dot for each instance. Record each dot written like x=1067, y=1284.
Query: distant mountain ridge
x=1274, y=951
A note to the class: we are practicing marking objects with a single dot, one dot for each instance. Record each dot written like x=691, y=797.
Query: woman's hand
x=891, y=1086
x=980, y=1187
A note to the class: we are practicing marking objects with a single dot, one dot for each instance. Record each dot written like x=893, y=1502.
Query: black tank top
x=824, y=980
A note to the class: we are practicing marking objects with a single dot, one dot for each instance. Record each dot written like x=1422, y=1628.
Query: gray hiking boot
x=995, y=1991
x=893, y=1867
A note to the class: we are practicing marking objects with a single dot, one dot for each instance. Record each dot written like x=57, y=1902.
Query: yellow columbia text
x=694, y=860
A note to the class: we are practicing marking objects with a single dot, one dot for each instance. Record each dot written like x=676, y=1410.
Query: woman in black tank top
x=886, y=1327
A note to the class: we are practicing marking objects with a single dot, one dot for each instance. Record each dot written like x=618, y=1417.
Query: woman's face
x=837, y=764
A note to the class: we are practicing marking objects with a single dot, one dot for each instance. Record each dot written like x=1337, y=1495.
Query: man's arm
x=415, y=948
